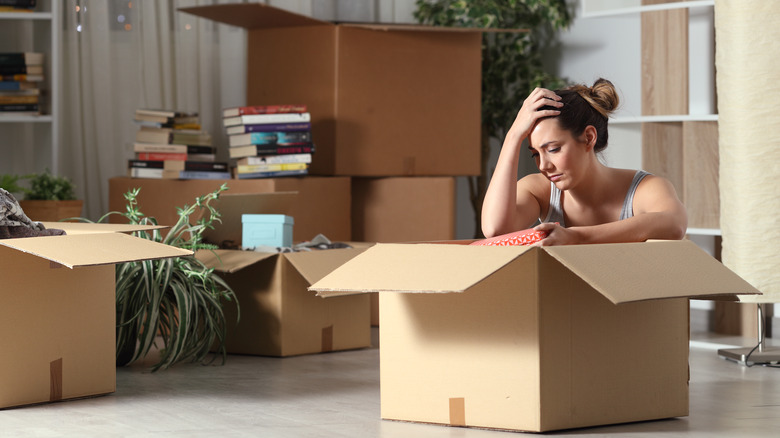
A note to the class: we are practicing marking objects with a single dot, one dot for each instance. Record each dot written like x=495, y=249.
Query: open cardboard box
x=534, y=339
x=59, y=310
x=279, y=316
x=385, y=99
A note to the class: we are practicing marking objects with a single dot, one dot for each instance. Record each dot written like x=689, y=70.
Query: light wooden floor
x=337, y=395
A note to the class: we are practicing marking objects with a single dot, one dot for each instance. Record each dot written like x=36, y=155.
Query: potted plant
x=175, y=301
x=511, y=62
x=48, y=197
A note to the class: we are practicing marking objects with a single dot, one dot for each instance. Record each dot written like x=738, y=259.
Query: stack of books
x=20, y=76
x=17, y=5
x=171, y=144
x=269, y=141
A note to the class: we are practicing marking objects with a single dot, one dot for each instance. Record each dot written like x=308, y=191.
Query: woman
x=576, y=197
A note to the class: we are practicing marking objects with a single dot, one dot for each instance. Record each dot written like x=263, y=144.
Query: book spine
x=254, y=119
x=17, y=99
x=270, y=167
x=268, y=127
x=24, y=4
x=18, y=107
x=21, y=77
x=160, y=148
x=160, y=156
x=16, y=85
x=12, y=69
x=146, y=164
x=136, y=172
x=275, y=159
x=208, y=166
x=273, y=174
x=264, y=109
x=12, y=58
x=196, y=174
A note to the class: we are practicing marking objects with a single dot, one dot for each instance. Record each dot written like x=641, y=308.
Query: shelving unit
x=678, y=121
x=31, y=143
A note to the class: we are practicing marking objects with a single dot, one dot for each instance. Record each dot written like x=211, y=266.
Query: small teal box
x=266, y=229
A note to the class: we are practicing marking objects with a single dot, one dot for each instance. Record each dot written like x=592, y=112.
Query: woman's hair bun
x=602, y=96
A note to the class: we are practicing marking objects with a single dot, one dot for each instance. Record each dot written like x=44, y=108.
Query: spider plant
x=177, y=300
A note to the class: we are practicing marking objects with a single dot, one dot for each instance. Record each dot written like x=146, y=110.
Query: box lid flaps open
x=628, y=272
x=416, y=268
x=94, y=248
x=253, y=15
x=262, y=16
x=620, y=272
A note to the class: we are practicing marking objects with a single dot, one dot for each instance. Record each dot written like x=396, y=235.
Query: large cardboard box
x=402, y=209
x=385, y=100
x=322, y=205
x=59, y=311
x=534, y=339
x=279, y=316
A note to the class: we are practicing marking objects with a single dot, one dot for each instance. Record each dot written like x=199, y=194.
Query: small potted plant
x=48, y=198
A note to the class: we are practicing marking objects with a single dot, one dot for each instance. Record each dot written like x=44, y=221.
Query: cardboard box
x=385, y=99
x=534, y=339
x=402, y=209
x=266, y=230
x=322, y=205
x=279, y=316
x=59, y=310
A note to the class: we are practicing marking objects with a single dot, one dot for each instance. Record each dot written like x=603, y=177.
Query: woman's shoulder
x=535, y=183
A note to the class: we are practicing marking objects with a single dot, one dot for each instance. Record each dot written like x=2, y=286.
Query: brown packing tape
x=55, y=380
x=457, y=411
x=327, y=339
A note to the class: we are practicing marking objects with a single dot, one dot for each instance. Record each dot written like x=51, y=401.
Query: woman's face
x=559, y=156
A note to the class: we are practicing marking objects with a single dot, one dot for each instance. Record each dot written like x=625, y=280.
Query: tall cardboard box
x=59, y=311
x=534, y=339
x=402, y=209
x=385, y=100
x=322, y=204
x=279, y=315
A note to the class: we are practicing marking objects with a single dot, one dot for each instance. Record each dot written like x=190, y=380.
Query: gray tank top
x=555, y=212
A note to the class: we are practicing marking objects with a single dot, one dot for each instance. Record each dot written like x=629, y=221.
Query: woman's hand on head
x=530, y=112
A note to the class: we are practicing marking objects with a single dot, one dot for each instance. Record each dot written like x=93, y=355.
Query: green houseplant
x=178, y=301
x=46, y=197
x=511, y=62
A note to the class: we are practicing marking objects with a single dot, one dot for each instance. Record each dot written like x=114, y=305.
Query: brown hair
x=585, y=106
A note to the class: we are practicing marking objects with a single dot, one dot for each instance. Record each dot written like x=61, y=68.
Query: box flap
x=232, y=205
x=316, y=264
x=231, y=260
x=94, y=249
x=419, y=27
x=253, y=16
x=90, y=228
x=628, y=272
x=417, y=268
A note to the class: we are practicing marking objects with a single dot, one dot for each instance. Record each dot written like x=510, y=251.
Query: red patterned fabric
x=518, y=238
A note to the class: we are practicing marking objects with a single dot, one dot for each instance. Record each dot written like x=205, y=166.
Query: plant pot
x=51, y=211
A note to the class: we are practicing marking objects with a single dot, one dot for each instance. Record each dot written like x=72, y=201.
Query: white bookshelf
x=30, y=143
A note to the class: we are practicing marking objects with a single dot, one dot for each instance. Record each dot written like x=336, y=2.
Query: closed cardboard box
x=534, y=339
x=59, y=310
x=322, y=204
x=385, y=100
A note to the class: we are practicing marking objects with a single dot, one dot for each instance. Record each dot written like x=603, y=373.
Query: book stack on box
x=20, y=76
x=269, y=141
x=17, y=5
x=171, y=144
